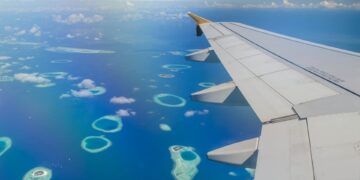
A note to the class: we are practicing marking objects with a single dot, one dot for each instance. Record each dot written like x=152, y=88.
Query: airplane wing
x=306, y=95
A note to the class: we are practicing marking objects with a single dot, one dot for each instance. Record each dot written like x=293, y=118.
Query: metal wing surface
x=306, y=95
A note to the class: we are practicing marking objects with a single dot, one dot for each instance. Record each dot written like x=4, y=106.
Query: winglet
x=199, y=20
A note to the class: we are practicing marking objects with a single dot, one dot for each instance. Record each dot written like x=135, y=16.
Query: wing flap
x=284, y=152
x=335, y=144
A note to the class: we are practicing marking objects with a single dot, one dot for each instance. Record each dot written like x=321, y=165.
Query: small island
x=207, y=84
x=38, y=173
x=45, y=85
x=56, y=75
x=61, y=61
x=175, y=67
x=167, y=76
x=165, y=127
x=95, y=144
x=232, y=173
x=185, y=162
x=5, y=145
x=108, y=124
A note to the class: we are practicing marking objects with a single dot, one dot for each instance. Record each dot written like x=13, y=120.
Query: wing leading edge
x=306, y=95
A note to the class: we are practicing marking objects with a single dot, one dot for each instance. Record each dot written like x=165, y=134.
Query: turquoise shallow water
x=188, y=155
x=2, y=146
x=47, y=130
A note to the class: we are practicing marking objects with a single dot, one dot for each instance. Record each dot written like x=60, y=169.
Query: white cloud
x=130, y=4
x=173, y=16
x=64, y=96
x=176, y=53
x=122, y=100
x=25, y=67
x=78, y=18
x=132, y=17
x=86, y=84
x=25, y=58
x=72, y=78
x=20, y=33
x=331, y=4
x=35, y=30
x=140, y=14
x=31, y=78
x=8, y=28
x=217, y=4
x=191, y=113
x=70, y=36
x=87, y=89
x=5, y=58
x=286, y=3
x=4, y=66
x=99, y=36
x=125, y=112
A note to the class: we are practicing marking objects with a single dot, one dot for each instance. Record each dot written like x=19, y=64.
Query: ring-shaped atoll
x=5, y=144
x=61, y=61
x=108, y=124
x=163, y=97
x=185, y=161
x=166, y=76
x=98, y=90
x=38, y=173
x=45, y=85
x=95, y=144
x=207, y=84
x=56, y=75
x=175, y=67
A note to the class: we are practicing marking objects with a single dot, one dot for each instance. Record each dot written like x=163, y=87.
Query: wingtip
x=199, y=20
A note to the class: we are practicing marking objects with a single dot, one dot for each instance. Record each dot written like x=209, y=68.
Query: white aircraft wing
x=306, y=95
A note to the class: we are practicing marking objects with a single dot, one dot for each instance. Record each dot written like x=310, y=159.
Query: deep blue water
x=95, y=143
x=47, y=131
x=106, y=124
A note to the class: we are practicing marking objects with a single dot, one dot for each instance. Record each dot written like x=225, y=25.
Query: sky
x=38, y=5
